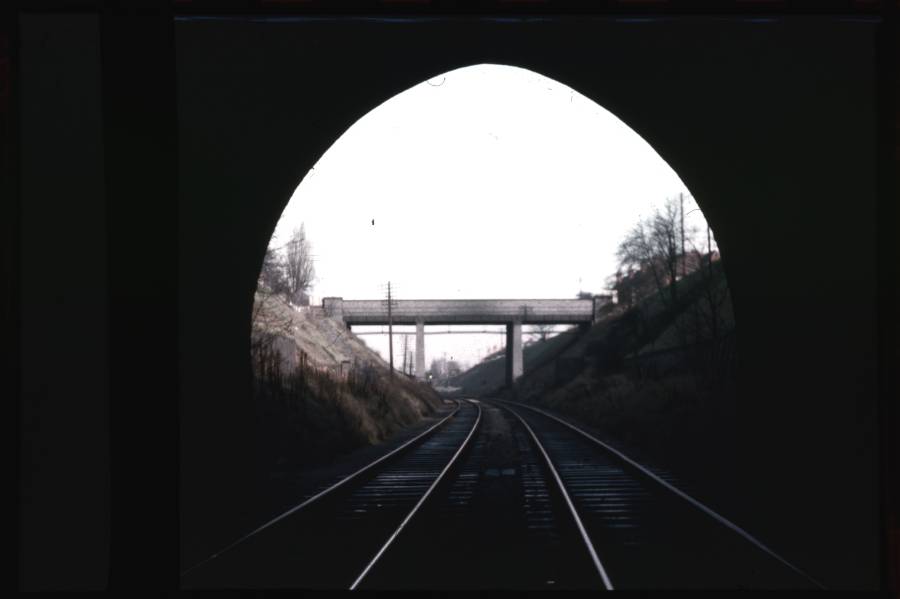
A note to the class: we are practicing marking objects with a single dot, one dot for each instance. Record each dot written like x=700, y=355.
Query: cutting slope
x=320, y=391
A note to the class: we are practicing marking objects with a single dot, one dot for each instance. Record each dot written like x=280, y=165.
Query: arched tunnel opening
x=252, y=168
x=491, y=197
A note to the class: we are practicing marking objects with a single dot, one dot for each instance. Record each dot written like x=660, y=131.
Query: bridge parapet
x=527, y=311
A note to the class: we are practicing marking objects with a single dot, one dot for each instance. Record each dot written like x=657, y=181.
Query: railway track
x=500, y=521
x=500, y=495
x=647, y=531
x=334, y=538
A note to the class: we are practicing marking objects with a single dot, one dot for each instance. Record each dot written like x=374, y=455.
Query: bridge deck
x=526, y=311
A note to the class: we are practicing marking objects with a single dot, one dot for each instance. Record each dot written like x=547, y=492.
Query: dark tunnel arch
x=748, y=141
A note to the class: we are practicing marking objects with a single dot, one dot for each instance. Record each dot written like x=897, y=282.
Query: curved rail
x=327, y=491
x=419, y=504
x=670, y=487
x=607, y=583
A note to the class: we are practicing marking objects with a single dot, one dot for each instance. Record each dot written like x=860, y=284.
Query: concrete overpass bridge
x=511, y=312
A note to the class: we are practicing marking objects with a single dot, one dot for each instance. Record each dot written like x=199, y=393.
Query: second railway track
x=331, y=543
x=648, y=533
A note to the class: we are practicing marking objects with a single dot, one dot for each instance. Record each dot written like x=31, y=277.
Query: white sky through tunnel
x=486, y=182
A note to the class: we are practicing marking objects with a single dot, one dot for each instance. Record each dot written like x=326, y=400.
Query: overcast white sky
x=487, y=182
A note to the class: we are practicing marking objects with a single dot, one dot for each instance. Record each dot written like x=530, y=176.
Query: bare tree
x=299, y=268
x=665, y=234
x=265, y=320
x=652, y=246
x=657, y=248
x=267, y=323
x=272, y=277
x=709, y=320
x=269, y=320
x=637, y=254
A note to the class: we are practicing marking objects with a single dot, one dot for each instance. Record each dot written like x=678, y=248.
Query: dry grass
x=321, y=393
x=673, y=408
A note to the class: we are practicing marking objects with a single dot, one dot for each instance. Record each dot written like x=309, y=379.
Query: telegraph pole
x=390, y=330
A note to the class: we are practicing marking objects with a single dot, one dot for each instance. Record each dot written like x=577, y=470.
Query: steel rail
x=421, y=501
x=325, y=492
x=607, y=583
x=670, y=487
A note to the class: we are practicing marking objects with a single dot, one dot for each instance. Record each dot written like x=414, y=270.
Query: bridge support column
x=420, y=350
x=333, y=307
x=514, y=367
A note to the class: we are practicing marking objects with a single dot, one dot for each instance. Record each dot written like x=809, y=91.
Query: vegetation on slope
x=488, y=376
x=653, y=378
x=320, y=391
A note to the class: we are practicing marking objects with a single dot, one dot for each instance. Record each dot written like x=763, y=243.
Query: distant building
x=688, y=263
x=693, y=261
x=634, y=286
x=637, y=284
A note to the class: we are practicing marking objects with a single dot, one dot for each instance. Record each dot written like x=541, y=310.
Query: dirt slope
x=329, y=394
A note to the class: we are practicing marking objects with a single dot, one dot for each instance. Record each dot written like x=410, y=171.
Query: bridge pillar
x=420, y=349
x=333, y=307
x=514, y=367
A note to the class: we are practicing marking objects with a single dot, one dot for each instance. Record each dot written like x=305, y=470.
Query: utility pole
x=390, y=331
